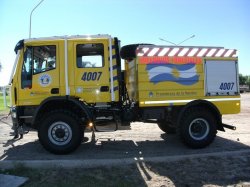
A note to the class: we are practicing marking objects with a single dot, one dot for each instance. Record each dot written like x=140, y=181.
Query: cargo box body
x=174, y=76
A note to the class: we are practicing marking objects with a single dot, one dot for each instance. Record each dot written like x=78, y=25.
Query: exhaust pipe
x=229, y=126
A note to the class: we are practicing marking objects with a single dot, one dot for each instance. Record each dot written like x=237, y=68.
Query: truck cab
x=74, y=66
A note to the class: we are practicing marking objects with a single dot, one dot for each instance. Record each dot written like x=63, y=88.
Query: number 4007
x=226, y=85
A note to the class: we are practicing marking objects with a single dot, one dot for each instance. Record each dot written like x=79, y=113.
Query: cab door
x=39, y=76
x=92, y=83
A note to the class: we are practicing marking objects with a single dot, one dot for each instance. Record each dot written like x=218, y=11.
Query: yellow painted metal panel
x=131, y=79
x=176, y=81
x=168, y=81
x=42, y=83
x=87, y=88
x=226, y=104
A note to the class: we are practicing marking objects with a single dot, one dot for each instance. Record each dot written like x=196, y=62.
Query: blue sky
x=223, y=23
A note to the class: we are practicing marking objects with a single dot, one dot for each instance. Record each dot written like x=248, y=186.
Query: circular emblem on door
x=45, y=80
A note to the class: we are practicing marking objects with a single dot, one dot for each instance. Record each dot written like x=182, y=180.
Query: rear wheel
x=197, y=127
x=60, y=132
x=167, y=127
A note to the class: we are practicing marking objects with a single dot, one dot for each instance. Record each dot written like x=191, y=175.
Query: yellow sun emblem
x=175, y=73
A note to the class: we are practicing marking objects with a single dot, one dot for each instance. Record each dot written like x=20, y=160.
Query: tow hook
x=229, y=126
x=18, y=130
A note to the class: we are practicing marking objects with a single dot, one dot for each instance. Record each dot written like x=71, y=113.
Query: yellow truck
x=61, y=85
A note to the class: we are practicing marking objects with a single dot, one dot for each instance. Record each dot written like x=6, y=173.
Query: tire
x=129, y=51
x=197, y=128
x=60, y=132
x=167, y=127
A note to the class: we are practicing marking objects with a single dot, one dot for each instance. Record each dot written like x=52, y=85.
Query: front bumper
x=14, y=116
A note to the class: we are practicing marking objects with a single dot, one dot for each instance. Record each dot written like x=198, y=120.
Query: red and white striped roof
x=152, y=51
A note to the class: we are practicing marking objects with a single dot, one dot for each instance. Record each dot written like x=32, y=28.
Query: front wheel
x=197, y=127
x=60, y=132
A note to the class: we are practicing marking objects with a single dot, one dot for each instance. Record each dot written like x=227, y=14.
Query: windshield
x=14, y=67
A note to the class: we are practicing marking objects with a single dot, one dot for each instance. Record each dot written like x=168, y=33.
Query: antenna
x=178, y=43
x=167, y=41
x=186, y=39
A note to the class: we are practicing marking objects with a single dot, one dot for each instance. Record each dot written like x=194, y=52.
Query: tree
x=243, y=79
x=248, y=81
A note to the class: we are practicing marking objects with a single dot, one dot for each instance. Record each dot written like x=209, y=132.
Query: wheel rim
x=199, y=129
x=60, y=133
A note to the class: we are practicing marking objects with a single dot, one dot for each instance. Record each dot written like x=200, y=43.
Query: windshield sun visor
x=19, y=46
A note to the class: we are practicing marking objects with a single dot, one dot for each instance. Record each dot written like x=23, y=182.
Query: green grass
x=3, y=109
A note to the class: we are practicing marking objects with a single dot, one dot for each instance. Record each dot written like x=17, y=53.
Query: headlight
x=13, y=113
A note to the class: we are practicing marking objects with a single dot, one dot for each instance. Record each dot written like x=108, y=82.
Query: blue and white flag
x=184, y=74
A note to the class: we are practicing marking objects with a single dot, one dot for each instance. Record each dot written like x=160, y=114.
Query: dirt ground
x=156, y=159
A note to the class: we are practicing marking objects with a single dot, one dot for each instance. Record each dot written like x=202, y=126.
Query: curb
x=93, y=163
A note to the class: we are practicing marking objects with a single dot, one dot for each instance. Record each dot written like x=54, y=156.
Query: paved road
x=140, y=140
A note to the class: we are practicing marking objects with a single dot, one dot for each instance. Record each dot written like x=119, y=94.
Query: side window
x=90, y=55
x=37, y=59
x=44, y=58
x=26, y=76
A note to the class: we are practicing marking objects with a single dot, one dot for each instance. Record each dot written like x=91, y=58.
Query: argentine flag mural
x=184, y=74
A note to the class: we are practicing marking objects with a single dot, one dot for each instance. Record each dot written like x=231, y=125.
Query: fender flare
x=210, y=106
x=64, y=99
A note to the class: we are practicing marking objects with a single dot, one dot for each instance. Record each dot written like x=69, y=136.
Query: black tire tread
x=165, y=127
x=78, y=137
x=202, y=112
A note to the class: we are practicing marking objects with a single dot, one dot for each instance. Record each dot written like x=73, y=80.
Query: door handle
x=104, y=89
x=54, y=91
x=38, y=93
